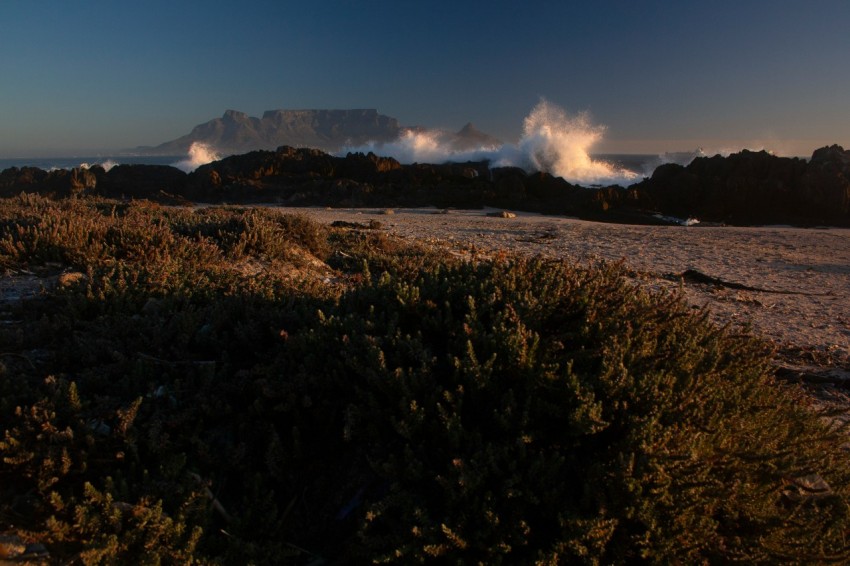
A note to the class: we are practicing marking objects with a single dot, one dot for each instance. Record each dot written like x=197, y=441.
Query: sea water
x=71, y=162
x=637, y=165
x=552, y=141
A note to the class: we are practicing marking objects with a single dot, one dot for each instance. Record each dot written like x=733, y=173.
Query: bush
x=529, y=412
x=169, y=407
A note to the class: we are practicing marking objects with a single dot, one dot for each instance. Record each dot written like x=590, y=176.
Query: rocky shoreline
x=746, y=188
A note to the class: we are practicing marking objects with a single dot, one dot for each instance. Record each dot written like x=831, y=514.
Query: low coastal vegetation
x=232, y=386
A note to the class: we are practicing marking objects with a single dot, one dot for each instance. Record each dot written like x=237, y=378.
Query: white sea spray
x=552, y=141
x=199, y=154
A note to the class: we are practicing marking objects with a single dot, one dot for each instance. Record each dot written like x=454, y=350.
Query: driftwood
x=371, y=225
x=211, y=496
x=809, y=489
x=817, y=376
x=694, y=276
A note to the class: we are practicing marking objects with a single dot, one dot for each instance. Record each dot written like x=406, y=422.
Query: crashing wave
x=551, y=141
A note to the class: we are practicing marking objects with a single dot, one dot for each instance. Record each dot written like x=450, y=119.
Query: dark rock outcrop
x=310, y=176
x=21, y=179
x=59, y=183
x=825, y=186
x=754, y=188
x=121, y=181
x=142, y=182
x=743, y=188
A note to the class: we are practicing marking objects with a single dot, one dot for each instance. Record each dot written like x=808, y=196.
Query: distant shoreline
x=71, y=162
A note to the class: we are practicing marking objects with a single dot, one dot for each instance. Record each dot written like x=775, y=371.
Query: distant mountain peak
x=470, y=137
x=326, y=129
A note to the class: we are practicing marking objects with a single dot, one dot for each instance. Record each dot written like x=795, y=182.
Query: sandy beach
x=792, y=285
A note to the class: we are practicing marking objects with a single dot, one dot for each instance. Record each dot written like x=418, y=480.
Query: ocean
x=640, y=165
x=52, y=163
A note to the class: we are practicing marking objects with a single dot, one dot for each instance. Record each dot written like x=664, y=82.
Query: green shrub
x=529, y=412
x=105, y=531
x=170, y=407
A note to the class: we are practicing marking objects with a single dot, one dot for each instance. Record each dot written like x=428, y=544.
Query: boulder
x=24, y=179
x=58, y=183
x=744, y=188
x=366, y=167
x=825, y=186
x=142, y=181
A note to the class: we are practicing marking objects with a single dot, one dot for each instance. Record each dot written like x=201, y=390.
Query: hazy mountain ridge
x=237, y=132
x=329, y=130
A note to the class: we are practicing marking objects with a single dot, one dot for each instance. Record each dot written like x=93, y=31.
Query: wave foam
x=552, y=142
x=199, y=154
x=424, y=146
x=556, y=143
x=108, y=164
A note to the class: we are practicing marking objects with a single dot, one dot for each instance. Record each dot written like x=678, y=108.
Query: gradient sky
x=94, y=76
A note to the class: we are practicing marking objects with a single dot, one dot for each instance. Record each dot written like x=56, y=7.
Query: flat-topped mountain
x=328, y=130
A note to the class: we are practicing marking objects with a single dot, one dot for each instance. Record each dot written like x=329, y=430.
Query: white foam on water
x=552, y=141
x=199, y=154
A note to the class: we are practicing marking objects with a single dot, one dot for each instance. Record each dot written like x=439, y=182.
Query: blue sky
x=88, y=76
